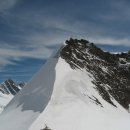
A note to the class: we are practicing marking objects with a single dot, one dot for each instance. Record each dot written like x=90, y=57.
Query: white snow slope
x=4, y=100
x=60, y=97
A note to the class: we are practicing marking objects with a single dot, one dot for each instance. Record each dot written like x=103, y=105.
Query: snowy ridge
x=76, y=90
x=72, y=92
x=71, y=106
x=112, y=81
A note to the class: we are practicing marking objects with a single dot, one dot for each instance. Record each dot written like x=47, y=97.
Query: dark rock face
x=111, y=71
x=10, y=87
x=22, y=84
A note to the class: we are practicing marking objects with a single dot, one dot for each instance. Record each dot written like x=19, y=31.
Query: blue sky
x=31, y=29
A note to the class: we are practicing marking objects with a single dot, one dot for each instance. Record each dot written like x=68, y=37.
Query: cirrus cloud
x=7, y=4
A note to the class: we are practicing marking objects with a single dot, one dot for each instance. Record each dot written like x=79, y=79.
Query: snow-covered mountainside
x=7, y=91
x=79, y=88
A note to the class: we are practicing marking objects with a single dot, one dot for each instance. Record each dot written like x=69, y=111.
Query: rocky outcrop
x=111, y=72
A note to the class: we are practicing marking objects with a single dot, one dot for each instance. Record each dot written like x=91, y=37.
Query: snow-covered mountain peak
x=80, y=87
x=111, y=79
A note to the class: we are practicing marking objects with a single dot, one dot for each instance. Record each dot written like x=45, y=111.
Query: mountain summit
x=80, y=87
x=110, y=72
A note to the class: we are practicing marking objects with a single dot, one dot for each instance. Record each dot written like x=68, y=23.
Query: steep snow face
x=76, y=105
x=31, y=100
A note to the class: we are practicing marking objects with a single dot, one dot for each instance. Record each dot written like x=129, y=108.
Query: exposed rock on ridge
x=111, y=71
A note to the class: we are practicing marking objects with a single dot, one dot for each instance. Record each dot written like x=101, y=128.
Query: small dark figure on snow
x=46, y=128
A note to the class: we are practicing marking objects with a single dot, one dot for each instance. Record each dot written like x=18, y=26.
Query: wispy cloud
x=7, y=4
x=5, y=61
x=111, y=41
x=30, y=31
x=10, y=54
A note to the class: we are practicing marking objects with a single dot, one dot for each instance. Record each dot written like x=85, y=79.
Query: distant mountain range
x=8, y=90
